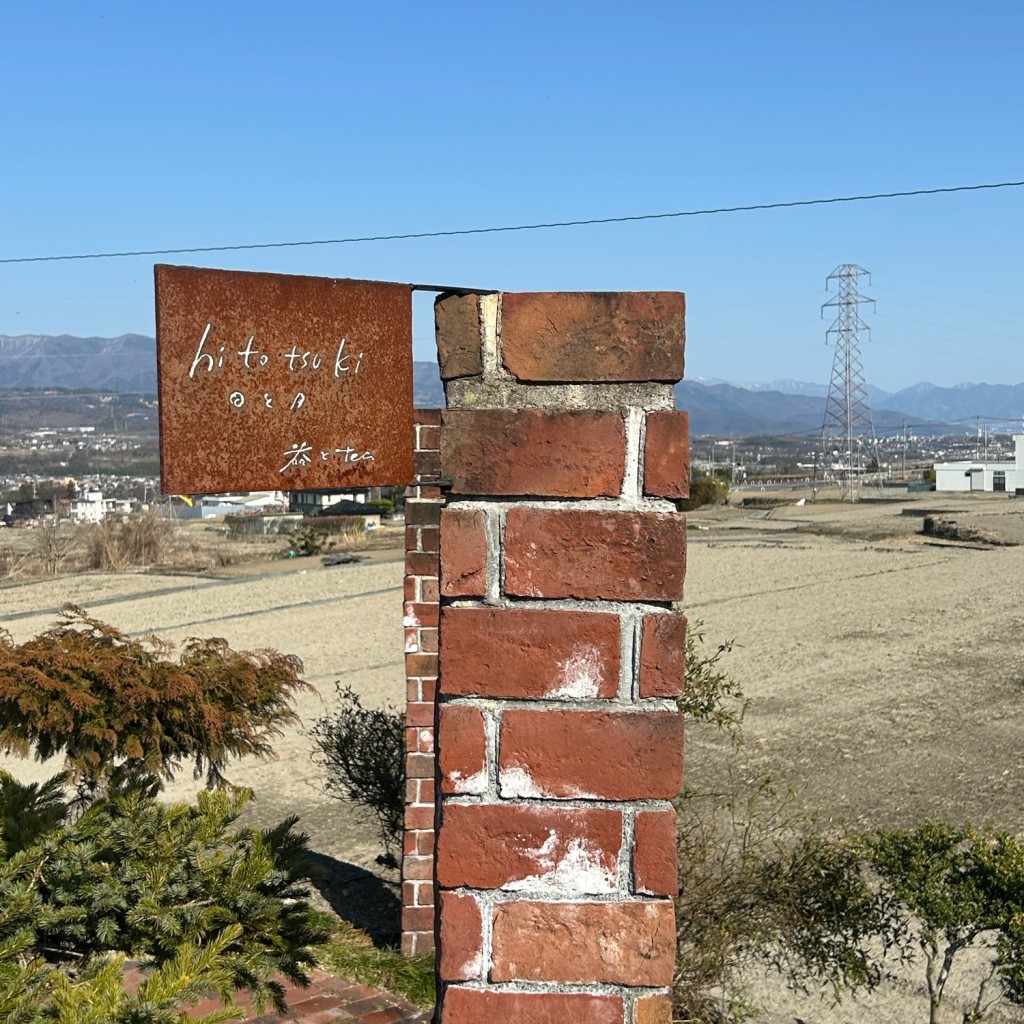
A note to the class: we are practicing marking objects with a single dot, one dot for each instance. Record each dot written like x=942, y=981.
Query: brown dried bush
x=137, y=541
x=109, y=702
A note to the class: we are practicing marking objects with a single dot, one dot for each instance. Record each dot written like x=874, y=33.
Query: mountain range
x=128, y=364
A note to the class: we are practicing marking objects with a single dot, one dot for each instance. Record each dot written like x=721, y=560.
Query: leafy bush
x=758, y=885
x=175, y=886
x=706, y=490
x=385, y=506
x=957, y=889
x=362, y=754
x=307, y=542
x=85, y=690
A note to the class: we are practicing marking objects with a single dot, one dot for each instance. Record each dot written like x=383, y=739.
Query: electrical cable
x=515, y=227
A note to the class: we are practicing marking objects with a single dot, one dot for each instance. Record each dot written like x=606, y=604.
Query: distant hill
x=128, y=364
x=961, y=403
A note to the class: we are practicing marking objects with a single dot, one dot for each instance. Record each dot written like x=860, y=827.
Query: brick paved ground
x=328, y=1000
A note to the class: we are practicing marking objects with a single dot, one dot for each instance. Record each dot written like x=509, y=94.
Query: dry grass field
x=883, y=668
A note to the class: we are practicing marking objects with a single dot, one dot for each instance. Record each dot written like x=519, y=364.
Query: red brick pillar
x=559, y=742
x=422, y=510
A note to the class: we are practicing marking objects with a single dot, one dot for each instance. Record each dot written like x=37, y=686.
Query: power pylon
x=847, y=428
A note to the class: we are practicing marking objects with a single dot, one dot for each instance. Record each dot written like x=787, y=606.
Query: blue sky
x=160, y=125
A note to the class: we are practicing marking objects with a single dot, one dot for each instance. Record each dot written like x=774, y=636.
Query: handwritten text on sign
x=270, y=381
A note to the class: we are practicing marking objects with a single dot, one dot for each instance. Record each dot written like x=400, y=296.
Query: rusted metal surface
x=272, y=381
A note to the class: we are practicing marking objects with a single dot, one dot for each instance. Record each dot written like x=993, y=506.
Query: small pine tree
x=170, y=885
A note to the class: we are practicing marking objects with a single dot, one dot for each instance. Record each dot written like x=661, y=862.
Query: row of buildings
x=90, y=505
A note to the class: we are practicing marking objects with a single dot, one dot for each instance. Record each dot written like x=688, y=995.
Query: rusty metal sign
x=279, y=382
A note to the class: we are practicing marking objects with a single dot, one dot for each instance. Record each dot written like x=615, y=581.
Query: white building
x=211, y=505
x=92, y=507
x=980, y=475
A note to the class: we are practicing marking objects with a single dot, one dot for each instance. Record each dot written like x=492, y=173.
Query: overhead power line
x=508, y=228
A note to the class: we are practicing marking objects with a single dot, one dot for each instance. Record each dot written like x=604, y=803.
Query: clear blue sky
x=158, y=125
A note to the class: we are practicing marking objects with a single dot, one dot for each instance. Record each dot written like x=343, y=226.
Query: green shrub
x=706, y=490
x=385, y=506
x=351, y=954
x=957, y=890
x=757, y=884
x=362, y=754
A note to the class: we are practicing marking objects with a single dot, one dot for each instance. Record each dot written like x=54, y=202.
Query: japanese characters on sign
x=270, y=381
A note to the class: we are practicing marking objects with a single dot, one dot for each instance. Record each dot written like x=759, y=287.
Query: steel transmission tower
x=847, y=424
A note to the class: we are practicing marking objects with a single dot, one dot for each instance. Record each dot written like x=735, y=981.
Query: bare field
x=883, y=668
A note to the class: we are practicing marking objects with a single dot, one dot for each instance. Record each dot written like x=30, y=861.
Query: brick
x=413, y=943
x=419, y=817
x=427, y=417
x=418, y=615
x=667, y=455
x=477, y=1006
x=429, y=592
x=422, y=513
x=626, y=556
x=419, y=713
x=414, y=739
x=421, y=665
x=426, y=465
x=517, y=652
x=461, y=749
x=430, y=539
x=593, y=336
x=418, y=868
x=419, y=766
x=428, y=641
x=663, y=656
x=655, y=865
x=584, y=943
x=520, y=846
x=461, y=938
x=591, y=755
x=463, y=552
x=457, y=329
x=421, y=563
x=428, y=439
x=418, y=918
x=652, y=1010
x=412, y=537
x=412, y=587
x=534, y=452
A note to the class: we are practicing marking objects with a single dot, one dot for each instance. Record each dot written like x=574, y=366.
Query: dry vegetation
x=147, y=543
